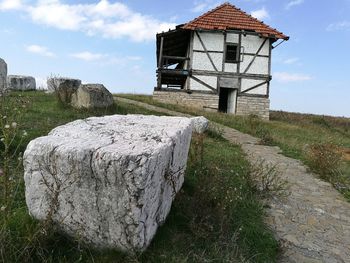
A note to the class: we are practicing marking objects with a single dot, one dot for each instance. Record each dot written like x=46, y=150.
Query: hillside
x=217, y=215
x=321, y=142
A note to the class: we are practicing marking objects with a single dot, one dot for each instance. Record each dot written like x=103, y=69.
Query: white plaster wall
x=259, y=66
x=202, y=62
x=210, y=80
x=251, y=44
x=232, y=38
x=212, y=41
x=231, y=67
x=249, y=83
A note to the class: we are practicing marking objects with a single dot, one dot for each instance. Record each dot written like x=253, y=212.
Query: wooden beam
x=230, y=74
x=176, y=58
x=206, y=51
x=204, y=84
x=254, y=87
x=210, y=51
x=255, y=55
x=160, y=58
x=252, y=54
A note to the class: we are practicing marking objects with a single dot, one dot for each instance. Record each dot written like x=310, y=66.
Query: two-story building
x=219, y=61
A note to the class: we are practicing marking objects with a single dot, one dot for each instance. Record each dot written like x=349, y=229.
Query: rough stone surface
x=197, y=100
x=21, y=83
x=312, y=221
x=92, y=96
x=259, y=106
x=63, y=87
x=3, y=75
x=111, y=180
x=200, y=124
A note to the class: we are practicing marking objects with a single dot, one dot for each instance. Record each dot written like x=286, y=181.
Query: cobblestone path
x=312, y=221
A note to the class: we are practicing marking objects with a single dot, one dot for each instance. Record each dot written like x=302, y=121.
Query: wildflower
x=2, y=208
x=2, y=139
x=25, y=133
x=4, y=117
x=7, y=126
x=14, y=125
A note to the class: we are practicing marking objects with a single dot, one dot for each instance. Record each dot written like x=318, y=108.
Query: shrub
x=256, y=127
x=266, y=179
x=325, y=160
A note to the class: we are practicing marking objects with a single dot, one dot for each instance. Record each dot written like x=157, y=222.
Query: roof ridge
x=232, y=17
x=208, y=12
x=258, y=20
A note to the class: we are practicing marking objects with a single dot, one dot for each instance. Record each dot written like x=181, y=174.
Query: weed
x=290, y=131
x=267, y=180
x=215, y=131
x=325, y=160
x=216, y=217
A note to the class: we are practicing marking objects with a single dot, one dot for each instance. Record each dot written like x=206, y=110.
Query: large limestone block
x=91, y=96
x=63, y=87
x=110, y=180
x=3, y=75
x=21, y=83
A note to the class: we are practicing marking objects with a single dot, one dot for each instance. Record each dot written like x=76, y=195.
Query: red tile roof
x=227, y=16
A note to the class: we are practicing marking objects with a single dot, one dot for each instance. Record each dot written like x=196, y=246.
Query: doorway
x=227, y=100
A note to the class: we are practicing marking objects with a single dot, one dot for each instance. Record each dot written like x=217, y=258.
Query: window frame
x=236, y=60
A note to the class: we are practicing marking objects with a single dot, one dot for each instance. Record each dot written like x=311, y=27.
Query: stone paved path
x=312, y=222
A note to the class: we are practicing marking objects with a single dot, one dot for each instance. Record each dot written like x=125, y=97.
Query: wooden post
x=160, y=64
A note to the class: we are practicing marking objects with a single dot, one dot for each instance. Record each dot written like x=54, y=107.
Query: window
x=232, y=53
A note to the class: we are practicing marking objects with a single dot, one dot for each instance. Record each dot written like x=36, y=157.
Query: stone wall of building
x=195, y=99
x=259, y=106
x=246, y=105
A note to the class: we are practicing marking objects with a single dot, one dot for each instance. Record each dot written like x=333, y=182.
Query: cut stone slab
x=3, y=75
x=20, y=83
x=200, y=124
x=91, y=96
x=109, y=181
x=63, y=87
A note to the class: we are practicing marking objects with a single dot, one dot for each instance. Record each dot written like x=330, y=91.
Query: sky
x=113, y=43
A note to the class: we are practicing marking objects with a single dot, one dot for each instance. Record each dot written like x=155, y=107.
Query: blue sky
x=113, y=42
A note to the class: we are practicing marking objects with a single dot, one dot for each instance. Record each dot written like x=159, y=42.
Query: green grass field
x=216, y=217
x=292, y=132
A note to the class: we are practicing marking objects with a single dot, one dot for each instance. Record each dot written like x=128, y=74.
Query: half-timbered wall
x=245, y=83
x=254, y=60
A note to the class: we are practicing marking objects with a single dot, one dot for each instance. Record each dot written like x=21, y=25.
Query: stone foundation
x=195, y=99
x=259, y=106
x=246, y=105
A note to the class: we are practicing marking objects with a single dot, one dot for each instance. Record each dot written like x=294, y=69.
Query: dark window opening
x=232, y=53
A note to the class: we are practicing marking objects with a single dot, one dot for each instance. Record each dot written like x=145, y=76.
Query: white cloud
x=260, y=14
x=290, y=77
x=201, y=6
x=10, y=5
x=111, y=20
x=291, y=61
x=41, y=50
x=294, y=3
x=105, y=59
x=88, y=56
x=344, y=25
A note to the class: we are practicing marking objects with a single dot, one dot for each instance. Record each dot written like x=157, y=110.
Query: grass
x=294, y=133
x=216, y=217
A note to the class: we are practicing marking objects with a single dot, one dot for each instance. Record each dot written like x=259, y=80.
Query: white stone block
x=109, y=181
